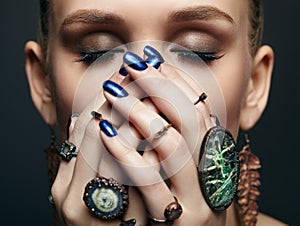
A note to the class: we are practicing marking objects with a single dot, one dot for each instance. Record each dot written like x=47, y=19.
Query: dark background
x=24, y=182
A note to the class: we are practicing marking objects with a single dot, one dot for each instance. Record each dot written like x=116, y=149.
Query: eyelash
x=207, y=57
x=91, y=57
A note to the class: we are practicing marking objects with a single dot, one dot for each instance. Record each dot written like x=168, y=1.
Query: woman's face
x=219, y=27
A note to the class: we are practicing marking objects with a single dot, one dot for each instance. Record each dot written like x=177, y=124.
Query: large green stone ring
x=218, y=168
x=106, y=198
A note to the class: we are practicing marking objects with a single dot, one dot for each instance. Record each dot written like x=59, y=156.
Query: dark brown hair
x=255, y=19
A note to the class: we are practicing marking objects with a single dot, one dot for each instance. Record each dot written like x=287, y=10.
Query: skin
x=249, y=75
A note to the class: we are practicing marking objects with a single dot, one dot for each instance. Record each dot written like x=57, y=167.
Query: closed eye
x=104, y=55
x=207, y=57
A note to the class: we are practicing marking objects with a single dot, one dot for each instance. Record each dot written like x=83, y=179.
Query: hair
x=255, y=19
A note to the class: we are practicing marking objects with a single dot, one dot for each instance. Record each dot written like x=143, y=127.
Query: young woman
x=167, y=106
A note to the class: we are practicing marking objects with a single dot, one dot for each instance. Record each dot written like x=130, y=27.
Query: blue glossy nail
x=154, y=62
x=123, y=71
x=154, y=57
x=134, y=61
x=114, y=89
x=153, y=53
x=107, y=128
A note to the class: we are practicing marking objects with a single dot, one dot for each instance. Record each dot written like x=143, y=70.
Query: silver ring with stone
x=106, y=198
x=162, y=132
x=67, y=150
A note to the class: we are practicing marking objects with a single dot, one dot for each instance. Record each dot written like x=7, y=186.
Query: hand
x=72, y=177
x=173, y=148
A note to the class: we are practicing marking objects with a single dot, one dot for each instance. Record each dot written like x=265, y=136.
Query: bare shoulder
x=264, y=220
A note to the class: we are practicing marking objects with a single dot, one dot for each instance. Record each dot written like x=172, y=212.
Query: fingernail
x=154, y=62
x=107, y=128
x=123, y=71
x=114, y=89
x=153, y=53
x=154, y=57
x=75, y=115
x=96, y=114
x=134, y=61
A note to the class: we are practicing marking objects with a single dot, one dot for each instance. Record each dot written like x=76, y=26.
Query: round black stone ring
x=172, y=212
x=67, y=151
x=106, y=198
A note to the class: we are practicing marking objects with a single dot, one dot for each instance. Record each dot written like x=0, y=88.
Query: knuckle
x=92, y=129
x=70, y=213
x=55, y=192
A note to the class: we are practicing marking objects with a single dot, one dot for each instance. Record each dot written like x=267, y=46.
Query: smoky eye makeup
x=100, y=47
x=197, y=47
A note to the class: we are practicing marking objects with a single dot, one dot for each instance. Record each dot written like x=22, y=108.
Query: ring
x=106, y=198
x=172, y=212
x=67, y=150
x=162, y=132
x=201, y=98
x=218, y=168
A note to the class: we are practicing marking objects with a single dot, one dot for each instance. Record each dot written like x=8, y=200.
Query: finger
x=140, y=172
x=88, y=159
x=65, y=172
x=191, y=89
x=172, y=149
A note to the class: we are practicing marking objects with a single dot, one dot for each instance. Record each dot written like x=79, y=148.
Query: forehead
x=133, y=11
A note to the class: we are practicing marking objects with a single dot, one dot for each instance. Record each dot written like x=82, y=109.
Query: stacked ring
x=67, y=150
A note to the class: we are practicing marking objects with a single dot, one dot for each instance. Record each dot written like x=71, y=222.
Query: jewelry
x=53, y=161
x=249, y=182
x=106, y=198
x=162, y=132
x=96, y=115
x=131, y=222
x=202, y=98
x=67, y=150
x=172, y=212
x=218, y=168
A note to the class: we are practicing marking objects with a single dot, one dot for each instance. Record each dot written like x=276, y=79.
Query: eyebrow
x=92, y=16
x=199, y=13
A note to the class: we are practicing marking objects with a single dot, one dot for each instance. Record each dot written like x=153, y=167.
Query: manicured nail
x=96, y=115
x=107, y=128
x=154, y=62
x=154, y=57
x=123, y=71
x=75, y=115
x=114, y=89
x=134, y=61
x=153, y=53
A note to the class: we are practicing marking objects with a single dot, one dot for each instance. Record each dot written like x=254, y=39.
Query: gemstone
x=218, y=168
x=173, y=211
x=106, y=198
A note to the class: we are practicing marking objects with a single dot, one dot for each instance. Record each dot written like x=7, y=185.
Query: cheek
x=232, y=75
x=66, y=77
